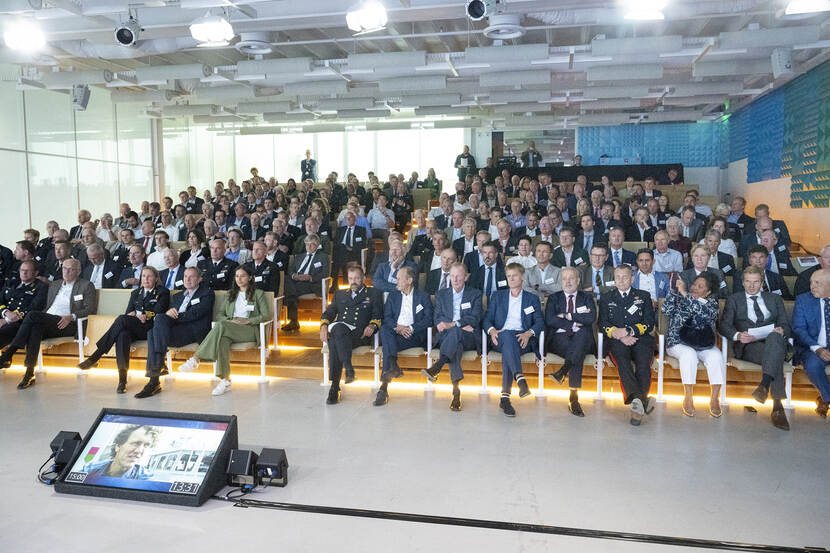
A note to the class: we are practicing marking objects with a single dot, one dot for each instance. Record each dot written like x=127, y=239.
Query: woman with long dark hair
x=196, y=249
x=238, y=320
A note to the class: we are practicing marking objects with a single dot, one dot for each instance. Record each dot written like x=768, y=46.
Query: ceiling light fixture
x=25, y=36
x=367, y=17
x=797, y=7
x=644, y=10
x=212, y=30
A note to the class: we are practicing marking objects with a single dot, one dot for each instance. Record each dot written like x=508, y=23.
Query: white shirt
x=727, y=245
x=821, y=342
x=671, y=261
x=97, y=276
x=567, y=257
x=61, y=305
x=750, y=308
x=514, y=313
x=193, y=260
x=526, y=261
x=469, y=245
x=186, y=301
x=103, y=234
x=436, y=262
x=648, y=284
x=406, y=317
x=456, y=234
x=156, y=259
x=494, y=231
x=240, y=307
x=172, y=232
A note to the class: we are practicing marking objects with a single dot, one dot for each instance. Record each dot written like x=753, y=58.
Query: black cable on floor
x=520, y=527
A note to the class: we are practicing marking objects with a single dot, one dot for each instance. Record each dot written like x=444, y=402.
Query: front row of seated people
x=513, y=322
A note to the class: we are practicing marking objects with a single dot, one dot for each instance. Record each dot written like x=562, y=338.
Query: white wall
x=707, y=179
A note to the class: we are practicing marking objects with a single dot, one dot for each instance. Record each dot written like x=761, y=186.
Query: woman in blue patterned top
x=692, y=316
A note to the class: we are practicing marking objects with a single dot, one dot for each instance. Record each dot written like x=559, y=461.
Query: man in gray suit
x=68, y=299
x=750, y=309
x=690, y=226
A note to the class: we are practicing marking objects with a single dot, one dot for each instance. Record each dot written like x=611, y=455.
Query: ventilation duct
x=694, y=100
x=500, y=97
x=669, y=116
x=85, y=49
x=386, y=60
x=442, y=111
x=628, y=46
x=316, y=88
x=728, y=68
x=604, y=119
x=599, y=92
x=253, y=108
x=160, y=74
x=334, y=104
x=260, y=69
x=405, y=84
x=68, y=79
x=422, y=100
x=769, y=38
x=232, y=92
x=362, y=113
x=185, y=110
x=515, y=78
x=522, y=53
x=521, y=108
x=625, y=72
x=288, y=118
x=141, y=97
x=623, y=103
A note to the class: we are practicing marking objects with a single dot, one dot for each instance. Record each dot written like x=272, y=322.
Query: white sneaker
x=189, y=366
x=223, y=386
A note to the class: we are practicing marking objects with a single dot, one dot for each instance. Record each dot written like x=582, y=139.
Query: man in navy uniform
x=349, y=240
x=458, y=320
x=218, y=271
x=513, y=322
x=569, y=318
x=27, y=294
x=406, y=317
x=350, y=321
x=187, y=321
x=626, y=317
x=145, y=302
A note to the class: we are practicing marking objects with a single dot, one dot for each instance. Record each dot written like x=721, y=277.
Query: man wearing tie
x=754, y=309
x=569, y=318
x=172, y=277
x=616, y=254
x=811, y=328
x=758, y=256
x=489, y=277
x=597, y=276
x=305, y=277
x=513, y=322
x=406, y=316
x=587, y=236
x=100, y=271
x=566, y=254
x=148, y=242
x=349, y=240
x=438, y=279
x=218, y=271
x=131, y=276
x=350, y=321
x=458, y=320
x=626, y=317
x=187, y=321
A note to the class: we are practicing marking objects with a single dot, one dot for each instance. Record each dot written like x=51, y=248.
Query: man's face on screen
x=131, y=452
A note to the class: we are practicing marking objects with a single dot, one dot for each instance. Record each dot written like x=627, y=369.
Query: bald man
x=811, y=323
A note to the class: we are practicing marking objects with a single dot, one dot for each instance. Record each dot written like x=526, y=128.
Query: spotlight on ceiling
x=798, y=7
x=367, y=17
x=211, y=30
x=126, y=34
x=479, y=9
x=25, y=36
x=644, y=10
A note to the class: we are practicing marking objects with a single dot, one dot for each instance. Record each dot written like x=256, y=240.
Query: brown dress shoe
x=779, y=419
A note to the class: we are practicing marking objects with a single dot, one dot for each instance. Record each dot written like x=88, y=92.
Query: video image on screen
x=147, y=453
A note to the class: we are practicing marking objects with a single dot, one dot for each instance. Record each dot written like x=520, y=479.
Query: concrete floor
x=736, y=478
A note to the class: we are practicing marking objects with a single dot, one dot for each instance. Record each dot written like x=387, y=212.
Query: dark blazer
x=614, y=311
x=359, y=241
x=83, y=301
x=75, y=232
x=30, y=297
x=477, y=278
x=219, y=276
x=121, y=255
x=775, y=282
x=745, y=224
x=802, y=283
x=178, y=278
x=266, y=276
x=558, y=303
x=110, y=268
x=470, y=307
x=320, y=265
x=689, y=276
x=198, y=315
x=128, y=272
x=458, y=246
x=434, y=281
x=628, y=257
x=471, y=261
x=780, y=228
x=425, y=262
x=736, y=319
x=364, y=309
x=380, y=280
x=421, y=311
x=511, y=248
x=244, y=225
x=441, y=221
x=807, y=315
x=726, y=264
x=499, y=304
x=586, y=279
x=632, y=234
x=157, y=301
x=697, y=228
x=578, y=257
x=782, y=258
x=204, y=253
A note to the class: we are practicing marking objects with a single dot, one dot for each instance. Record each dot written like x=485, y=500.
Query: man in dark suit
x=616, y=254
x=626, y=317
x=444, y=220
x=750, y=238
x=700, y=263
x=514, y=322
x=691, y=226
x=187, y=321
x=25, y=295
x=240, y=220
x=566, y=254
x=438, y=279
x=83, y=218
x=640, y=230
x=465, y=163
x=406, y=316
x=131, y=275
x=597, y=277
x=52, y=268
x=569, y=320
x=811, y=328
x=308, y=167
x=385, y=277
x=802, y=283
x=144, y=304
x=431, y=259
x=458, y=321
x=349, y=240
x=739, y=222
x=778, y=226
x=722, y=261
x=100, y=271
x=758, y=256
x=309, y=270
x=350, y=321
x=172, y=277
x=588, y=235
x=475, y=259
x=217, y=272
x=265, y=273
x=68, y=299
x=491, y=276
x=752, y=309
x=779, y=256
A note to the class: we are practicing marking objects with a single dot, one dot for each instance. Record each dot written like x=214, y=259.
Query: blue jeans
x=511, y=356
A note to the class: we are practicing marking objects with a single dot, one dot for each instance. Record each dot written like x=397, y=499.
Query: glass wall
x=57, y=160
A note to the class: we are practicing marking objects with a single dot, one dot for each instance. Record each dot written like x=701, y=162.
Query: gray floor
x=736, y=478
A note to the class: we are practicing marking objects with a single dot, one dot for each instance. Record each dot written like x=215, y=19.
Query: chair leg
x=170, y=374
x=788, y=384
x=39, y=369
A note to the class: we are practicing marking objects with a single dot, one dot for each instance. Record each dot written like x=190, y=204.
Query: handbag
x=697, y=338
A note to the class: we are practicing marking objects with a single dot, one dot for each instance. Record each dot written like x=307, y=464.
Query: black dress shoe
x=559, y=376
x=151, y=389
x=779, y=419
x=822, y=407
x=575, y=408
x=507, y=407
x=524, y=389
x=27, y=382
x=164, y=370
x=382, y=398
x=455, y=404
x=122, y=388
x=291, y=326
x=760, y=394
x=6, y=359
x=432, y=372
x=350, y=376
x=88, y=363
x=334, y=396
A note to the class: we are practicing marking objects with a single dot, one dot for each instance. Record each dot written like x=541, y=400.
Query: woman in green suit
x=238, y=321
x=432, y=183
